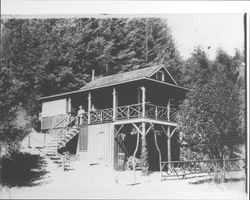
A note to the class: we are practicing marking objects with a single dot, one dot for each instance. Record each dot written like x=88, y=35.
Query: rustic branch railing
x=132, y=111
x=129, y=111
x=100, y=116
x=84, y=117
x=183, y=168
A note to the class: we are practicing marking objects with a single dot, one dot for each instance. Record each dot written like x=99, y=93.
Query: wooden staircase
x=55, y=143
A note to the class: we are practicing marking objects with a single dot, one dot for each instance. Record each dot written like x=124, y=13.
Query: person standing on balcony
x=80, y=113
x=93, y=108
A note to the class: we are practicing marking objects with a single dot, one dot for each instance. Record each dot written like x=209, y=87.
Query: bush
x=21, y=169
x=129, y=163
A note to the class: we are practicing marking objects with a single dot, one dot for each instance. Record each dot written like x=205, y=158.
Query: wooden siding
x=50, y=122
x=101, y=144
x=83, y=138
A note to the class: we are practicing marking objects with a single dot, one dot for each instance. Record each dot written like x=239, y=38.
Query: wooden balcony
x=131, y=112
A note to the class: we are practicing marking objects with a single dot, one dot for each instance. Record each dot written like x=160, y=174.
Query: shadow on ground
x=22, y=169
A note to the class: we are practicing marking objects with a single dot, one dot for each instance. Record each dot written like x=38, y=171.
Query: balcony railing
x=130, y=112
x=100, y=116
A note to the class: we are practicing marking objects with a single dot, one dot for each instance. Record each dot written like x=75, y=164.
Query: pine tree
x=211, y=118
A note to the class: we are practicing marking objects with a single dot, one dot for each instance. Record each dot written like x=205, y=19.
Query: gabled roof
x=122, y=77
x=115, y=79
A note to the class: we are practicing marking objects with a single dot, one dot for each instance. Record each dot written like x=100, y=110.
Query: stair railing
x=57, y=133
x=65, y=126
x=47, y=132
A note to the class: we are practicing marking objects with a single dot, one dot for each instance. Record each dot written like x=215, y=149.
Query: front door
x=99, y=147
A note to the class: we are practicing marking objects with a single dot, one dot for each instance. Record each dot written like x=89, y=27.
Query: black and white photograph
x=124, y=100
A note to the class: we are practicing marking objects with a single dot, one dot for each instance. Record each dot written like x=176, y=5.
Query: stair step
x=51, y=151
x=69, y=136
x=58, y=162
x=51, y=144
x=70, y=131
x=51, y=154
x=74, y=129
x=40, y=147
x=61, y=144
x=55, y=158
x=52, y=141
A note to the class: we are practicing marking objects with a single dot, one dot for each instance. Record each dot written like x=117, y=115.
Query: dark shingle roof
x=122, y=77
x=117, y=79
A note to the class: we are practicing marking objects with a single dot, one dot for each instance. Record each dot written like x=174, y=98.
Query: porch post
x=69, y=106
x=114, y=103
x=143, y=100
x=89, y=106
x=144, y=151
x=168, y=107
x=169, y=146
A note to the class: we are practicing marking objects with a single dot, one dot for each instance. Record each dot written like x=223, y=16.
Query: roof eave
x=88, y=89
x=108, y=85
x=169, y=84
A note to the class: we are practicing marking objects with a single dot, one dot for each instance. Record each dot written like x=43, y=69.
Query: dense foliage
x=212, y=116
x=42, y=57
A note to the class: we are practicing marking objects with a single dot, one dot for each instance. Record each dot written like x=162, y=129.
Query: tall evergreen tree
x=211, y=116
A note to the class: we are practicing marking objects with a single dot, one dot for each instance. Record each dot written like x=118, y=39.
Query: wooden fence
x=184, y=168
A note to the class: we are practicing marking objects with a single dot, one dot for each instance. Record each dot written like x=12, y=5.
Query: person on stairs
x=69, y=120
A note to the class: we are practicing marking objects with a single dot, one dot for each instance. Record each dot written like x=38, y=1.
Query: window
x=160, y=76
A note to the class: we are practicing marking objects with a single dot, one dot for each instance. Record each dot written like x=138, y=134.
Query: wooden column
x=89, y=106
x=144, y=152
x=143, y=129
x=168, y=113
x=158, y=149
x=138, y=95
x=143, y=100
x=134, y=154
x=69, y=108
x=169, y=145
x=114, y=103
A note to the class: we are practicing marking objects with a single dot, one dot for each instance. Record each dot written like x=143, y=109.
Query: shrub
x=21, y=169
x=129, y=163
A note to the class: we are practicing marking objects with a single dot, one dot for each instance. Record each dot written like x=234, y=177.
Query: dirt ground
x=99, y=181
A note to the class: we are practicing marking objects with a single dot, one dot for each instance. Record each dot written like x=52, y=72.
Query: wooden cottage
x=119, y=111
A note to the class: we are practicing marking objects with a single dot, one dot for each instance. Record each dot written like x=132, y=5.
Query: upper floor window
x=160, y=76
